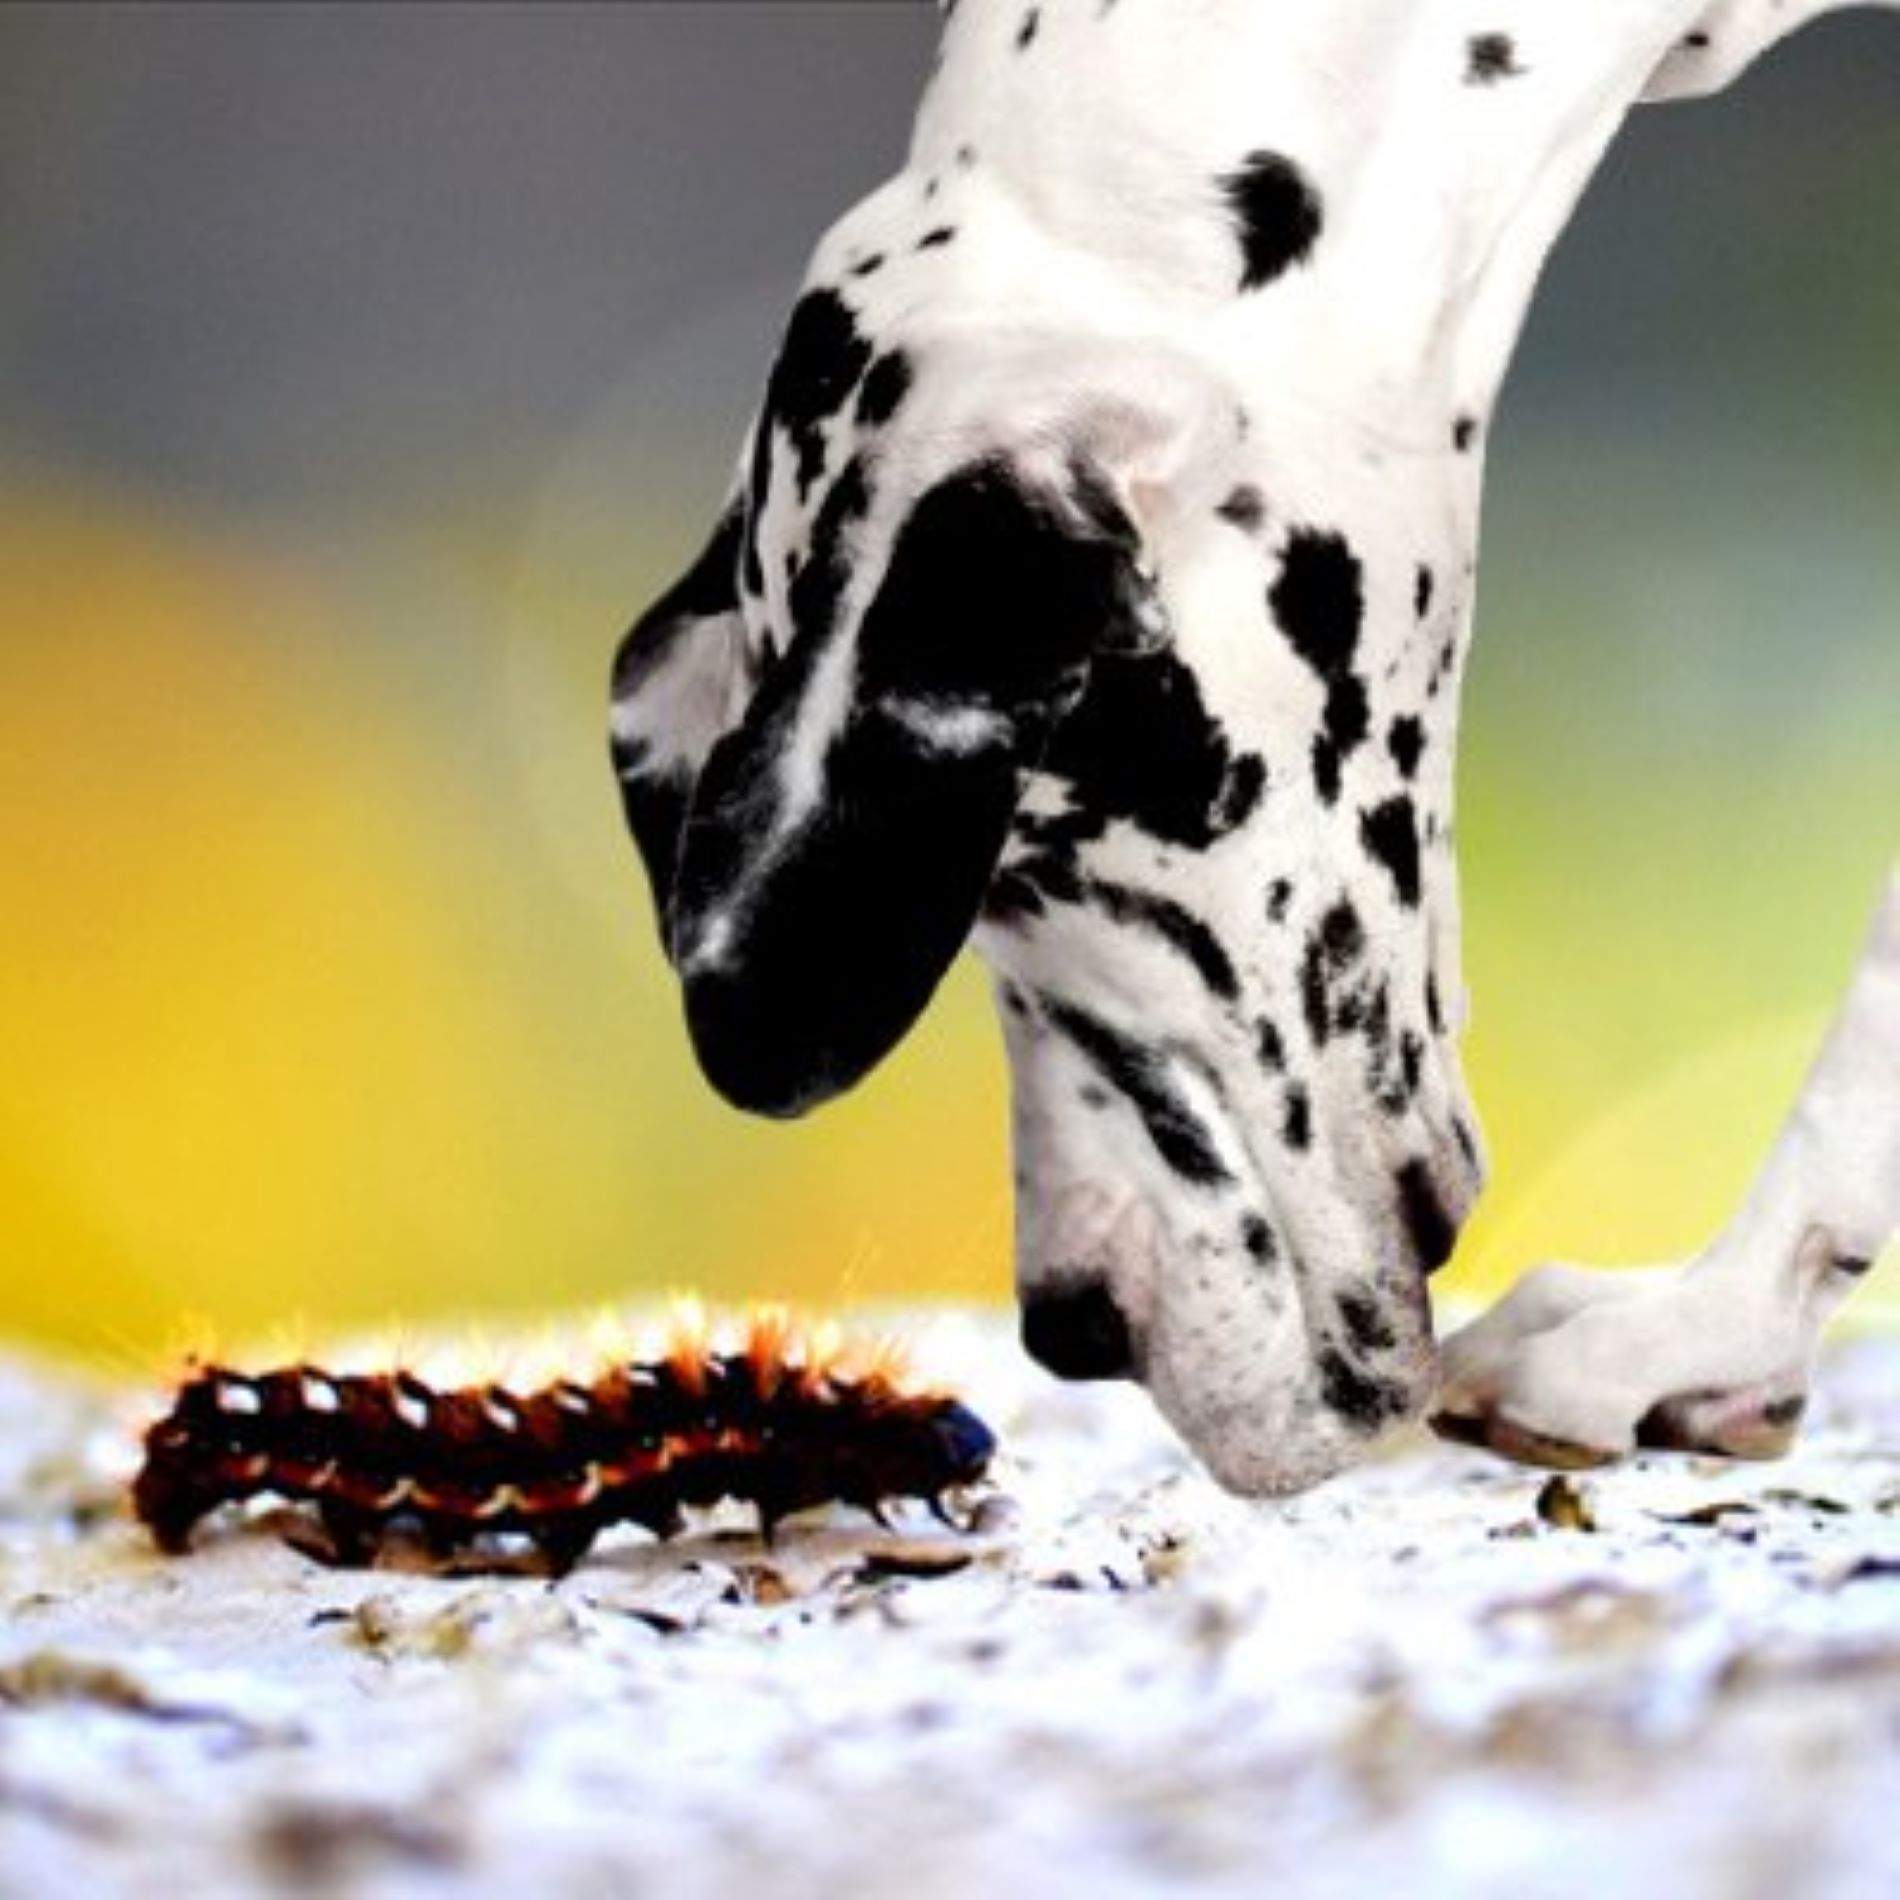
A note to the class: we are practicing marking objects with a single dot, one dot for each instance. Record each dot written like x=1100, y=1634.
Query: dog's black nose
x=1429, y=1226
x=1078, y=1332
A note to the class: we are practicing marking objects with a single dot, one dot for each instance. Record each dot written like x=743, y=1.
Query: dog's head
x=995, y=643
x=1019, y=634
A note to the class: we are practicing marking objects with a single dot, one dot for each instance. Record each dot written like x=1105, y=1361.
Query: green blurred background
x=363, y=369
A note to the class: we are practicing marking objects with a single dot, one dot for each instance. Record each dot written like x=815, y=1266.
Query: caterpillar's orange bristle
x=771, y=1345
x=872, y=1361
x=887, y=1361
x=688, y=1343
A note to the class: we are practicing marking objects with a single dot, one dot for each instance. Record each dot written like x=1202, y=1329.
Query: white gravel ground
x=1410, y=1682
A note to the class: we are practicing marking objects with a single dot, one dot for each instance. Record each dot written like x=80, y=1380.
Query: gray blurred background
x=248, y=247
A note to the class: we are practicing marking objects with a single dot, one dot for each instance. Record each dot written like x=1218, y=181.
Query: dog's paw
x=1576, y=1367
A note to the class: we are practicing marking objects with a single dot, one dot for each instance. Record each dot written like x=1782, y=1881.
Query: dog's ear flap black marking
x=843, y=834
x=678, y=683
x=823, y=731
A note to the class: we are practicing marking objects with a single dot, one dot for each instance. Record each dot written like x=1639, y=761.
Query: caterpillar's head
x=904, y=1445
x=959, y=1445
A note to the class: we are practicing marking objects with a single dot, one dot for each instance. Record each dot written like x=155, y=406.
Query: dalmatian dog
x=1095, y=587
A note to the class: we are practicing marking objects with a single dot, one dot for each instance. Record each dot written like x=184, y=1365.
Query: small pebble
x=1565, y=1505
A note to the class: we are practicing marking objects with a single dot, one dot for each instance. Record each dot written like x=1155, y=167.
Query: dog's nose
x=1077, y=1331
x=1432, y=1216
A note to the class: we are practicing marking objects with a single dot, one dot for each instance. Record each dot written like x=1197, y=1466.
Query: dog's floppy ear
x=823, y=731
x=842, y=837
x=679, y=682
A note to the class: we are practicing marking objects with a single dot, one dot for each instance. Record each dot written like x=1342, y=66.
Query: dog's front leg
x=1575, y=1367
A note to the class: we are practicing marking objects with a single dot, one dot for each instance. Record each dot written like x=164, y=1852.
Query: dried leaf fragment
x=914, y=1560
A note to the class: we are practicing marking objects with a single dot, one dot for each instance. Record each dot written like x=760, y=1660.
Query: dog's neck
x=1445, y=147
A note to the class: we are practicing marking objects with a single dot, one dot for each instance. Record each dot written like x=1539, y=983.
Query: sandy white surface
x=1125, y=1682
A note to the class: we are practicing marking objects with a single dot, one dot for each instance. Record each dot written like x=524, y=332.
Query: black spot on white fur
x=1270, y=1046
x=1278, y=214
x=1176, y=926
x=1142, y=747
x=1405, y=741
x=1397, y=1098
x=886, y=385
x=1389, y=833
x=1467, y=1142
x=1363, y=1399
x=1326, y=768
x=1318, y=601
x=1296, y=1122
x=1490, y=57
x=1333, y=951
x=1342, y=937
x=1037, y=879
x=1318, y=598
x=1244, y=508
x=819, y=365
x=1240, y=797
x=1027, y=885
x=1347, y=717
x=1143, y=1076
x=1365, y=1322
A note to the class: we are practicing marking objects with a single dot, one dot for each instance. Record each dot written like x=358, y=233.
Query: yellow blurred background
x=326, y=977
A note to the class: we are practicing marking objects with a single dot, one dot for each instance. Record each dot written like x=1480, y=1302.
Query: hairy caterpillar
x=779, y=1423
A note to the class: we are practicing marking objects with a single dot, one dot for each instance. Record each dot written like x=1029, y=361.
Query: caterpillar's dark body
x=637, y=1445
